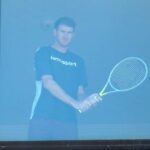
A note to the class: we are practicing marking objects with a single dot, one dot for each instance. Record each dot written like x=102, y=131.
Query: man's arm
x=52, y=86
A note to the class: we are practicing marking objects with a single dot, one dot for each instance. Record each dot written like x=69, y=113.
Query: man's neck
x=59, y=48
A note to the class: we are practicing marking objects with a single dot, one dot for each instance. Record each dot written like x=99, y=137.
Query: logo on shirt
x=64, y=62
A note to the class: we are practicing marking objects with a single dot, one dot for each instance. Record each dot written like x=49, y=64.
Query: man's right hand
x=87, y=103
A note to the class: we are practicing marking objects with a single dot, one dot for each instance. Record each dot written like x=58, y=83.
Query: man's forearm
x=53, y=87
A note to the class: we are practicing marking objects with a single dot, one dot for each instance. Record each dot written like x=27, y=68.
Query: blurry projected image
x=69, y=74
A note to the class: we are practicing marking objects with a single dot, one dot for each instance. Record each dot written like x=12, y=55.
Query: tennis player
x=61, y=74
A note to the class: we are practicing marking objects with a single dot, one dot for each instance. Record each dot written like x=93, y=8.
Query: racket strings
x=127, y=74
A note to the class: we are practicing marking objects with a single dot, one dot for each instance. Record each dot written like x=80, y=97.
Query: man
x=62, y=75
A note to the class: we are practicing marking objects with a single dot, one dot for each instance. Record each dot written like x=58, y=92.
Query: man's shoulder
x=75, y=56
x=43, y=49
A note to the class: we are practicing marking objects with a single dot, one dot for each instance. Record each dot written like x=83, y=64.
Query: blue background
x=107, y=31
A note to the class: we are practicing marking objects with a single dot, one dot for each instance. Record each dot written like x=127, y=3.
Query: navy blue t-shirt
x=68, y=70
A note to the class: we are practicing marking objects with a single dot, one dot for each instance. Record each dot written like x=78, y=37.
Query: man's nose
x=66, y=34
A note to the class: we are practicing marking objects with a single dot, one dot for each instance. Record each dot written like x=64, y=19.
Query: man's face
x=63, y=35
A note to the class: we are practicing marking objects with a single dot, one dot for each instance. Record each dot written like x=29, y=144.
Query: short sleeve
x=42, y=63
x=82, y=74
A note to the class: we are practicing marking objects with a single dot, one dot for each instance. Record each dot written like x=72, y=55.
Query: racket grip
x=94, y=98
x=90, y=101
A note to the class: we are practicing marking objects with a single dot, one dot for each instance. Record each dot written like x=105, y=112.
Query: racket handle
x=97, y=97
x=102, y=93
x=91, y=101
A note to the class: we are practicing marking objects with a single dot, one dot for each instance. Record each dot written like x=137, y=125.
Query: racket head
x=126, y=75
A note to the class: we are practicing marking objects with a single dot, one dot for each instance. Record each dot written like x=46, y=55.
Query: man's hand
x=88, y=102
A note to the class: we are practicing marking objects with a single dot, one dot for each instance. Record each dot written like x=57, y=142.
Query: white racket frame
x=103, y=93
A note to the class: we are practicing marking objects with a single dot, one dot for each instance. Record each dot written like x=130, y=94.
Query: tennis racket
x=126, y=75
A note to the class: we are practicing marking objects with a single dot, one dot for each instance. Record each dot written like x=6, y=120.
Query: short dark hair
x=65, y=21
